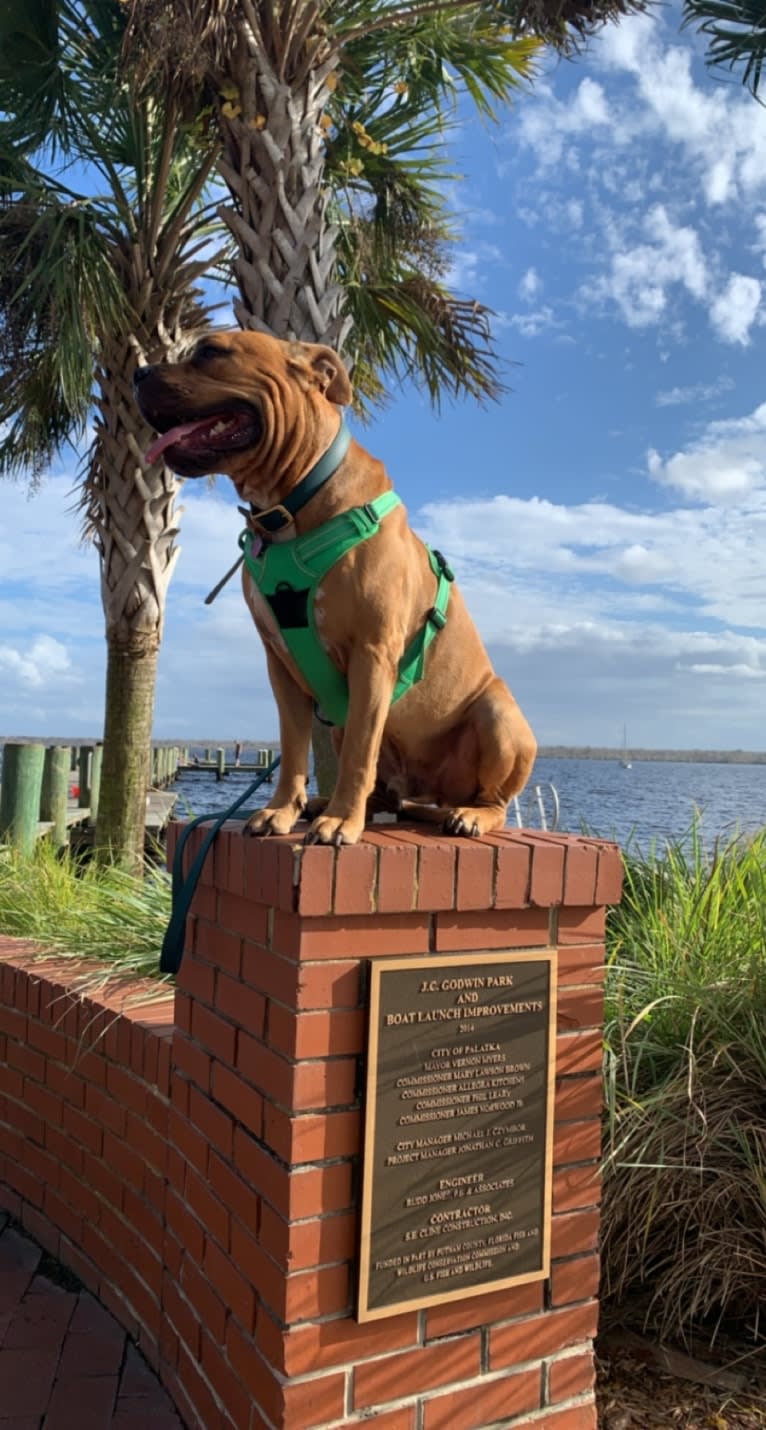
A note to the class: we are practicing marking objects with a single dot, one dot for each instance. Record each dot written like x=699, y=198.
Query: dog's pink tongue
x=174, y=435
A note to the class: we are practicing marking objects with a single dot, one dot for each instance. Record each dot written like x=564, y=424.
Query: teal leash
x=184, y=888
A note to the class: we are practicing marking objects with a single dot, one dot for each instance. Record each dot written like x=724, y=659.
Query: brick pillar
x=265, y=1135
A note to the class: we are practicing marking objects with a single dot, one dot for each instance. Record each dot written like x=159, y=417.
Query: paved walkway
x=65, y=1363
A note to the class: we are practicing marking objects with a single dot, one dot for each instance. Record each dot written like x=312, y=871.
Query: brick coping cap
x=144, y=1001
x=402, y=868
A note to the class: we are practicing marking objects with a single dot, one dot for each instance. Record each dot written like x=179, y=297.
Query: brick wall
x=84, y=1103
x=229, y=1246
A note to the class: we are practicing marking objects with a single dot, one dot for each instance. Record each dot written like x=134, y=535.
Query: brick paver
x=65, y=1363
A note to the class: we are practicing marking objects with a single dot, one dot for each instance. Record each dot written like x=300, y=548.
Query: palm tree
x=102, y=226
x=332, y=116
x=737, y=33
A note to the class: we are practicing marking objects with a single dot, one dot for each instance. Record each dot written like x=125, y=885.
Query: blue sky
x=607, y=520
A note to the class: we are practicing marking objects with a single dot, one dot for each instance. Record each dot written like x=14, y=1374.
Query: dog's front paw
x=328, y=829
x=272, y=821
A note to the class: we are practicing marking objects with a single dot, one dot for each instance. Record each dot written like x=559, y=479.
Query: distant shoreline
x=552, y=752
x=689, y=757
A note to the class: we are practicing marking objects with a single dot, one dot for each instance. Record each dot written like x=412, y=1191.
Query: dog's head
x=246, y=404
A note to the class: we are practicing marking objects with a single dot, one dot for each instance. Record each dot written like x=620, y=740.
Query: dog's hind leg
x=504, y=750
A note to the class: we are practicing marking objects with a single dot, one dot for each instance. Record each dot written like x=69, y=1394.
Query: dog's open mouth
x=208, y=437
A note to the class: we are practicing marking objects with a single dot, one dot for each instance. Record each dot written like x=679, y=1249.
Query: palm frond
x=737, y=35
x=57, y=63
x=424, y=63
x=408, y=327
x=563, y=24
x=58, y=294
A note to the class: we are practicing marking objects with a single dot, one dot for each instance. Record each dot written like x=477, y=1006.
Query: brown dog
x=457, y=744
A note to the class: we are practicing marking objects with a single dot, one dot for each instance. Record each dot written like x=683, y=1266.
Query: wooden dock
x=53, y=791
x=159, y=808
x=74, y=815
x=216, y=762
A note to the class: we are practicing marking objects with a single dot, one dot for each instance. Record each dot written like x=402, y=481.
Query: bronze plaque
x=459, y=1128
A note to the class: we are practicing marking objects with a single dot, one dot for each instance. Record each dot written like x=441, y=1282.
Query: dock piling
x=22, y=781
x=54, y=796
x=85, y=764
x=97, y=759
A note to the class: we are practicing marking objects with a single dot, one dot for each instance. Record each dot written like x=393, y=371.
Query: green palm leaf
x=103, y=209
x=737, y=34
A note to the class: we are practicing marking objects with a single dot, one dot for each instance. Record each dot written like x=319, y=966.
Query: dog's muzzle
x=195, y=446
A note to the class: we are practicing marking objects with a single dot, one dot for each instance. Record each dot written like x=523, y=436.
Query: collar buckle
x=270, y=522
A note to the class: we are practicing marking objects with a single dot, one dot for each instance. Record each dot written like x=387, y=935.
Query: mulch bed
x=637, y=1389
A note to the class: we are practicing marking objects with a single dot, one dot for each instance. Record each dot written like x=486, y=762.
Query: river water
x=652, y=800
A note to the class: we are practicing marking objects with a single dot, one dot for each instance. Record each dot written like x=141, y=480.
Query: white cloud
x=726, y=464
x=45, y=661
x=550, y=126
x=530, y=285
x=695, y=392
x=655, y=150
x=468, y=267
x=735, y=309
x=736, y=671
x=718, y=129
x=640, y=277
x=46, y=524
x=531, y=325
x=538, y=565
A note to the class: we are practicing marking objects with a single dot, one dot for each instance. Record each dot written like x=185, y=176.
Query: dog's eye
x=206, y=352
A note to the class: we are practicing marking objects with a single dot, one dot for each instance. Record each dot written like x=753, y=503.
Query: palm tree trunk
x=273, y=166
x=131, y=511
x=131, y=672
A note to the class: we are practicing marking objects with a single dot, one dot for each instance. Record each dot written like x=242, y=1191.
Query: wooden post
x=95, y=780
x=20, y=794
x=208, y=757
x=55, y=792
x=220, y=763
x=85, y=764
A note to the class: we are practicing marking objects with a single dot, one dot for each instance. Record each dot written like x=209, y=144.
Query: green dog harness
x=288, y=575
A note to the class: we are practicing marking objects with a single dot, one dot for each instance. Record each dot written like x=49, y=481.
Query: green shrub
x=83, y=910
x=684, y=1223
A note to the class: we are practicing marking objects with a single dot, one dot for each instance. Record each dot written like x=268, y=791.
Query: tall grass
x=684, y=1223
x=82, y=911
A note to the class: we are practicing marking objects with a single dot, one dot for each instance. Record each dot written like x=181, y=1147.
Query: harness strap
x=288, y=574
x=412, y=663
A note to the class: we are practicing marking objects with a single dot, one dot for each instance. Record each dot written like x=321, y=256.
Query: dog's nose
x=141, y=373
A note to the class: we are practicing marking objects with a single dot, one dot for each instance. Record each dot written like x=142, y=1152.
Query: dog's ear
x=326, y=369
